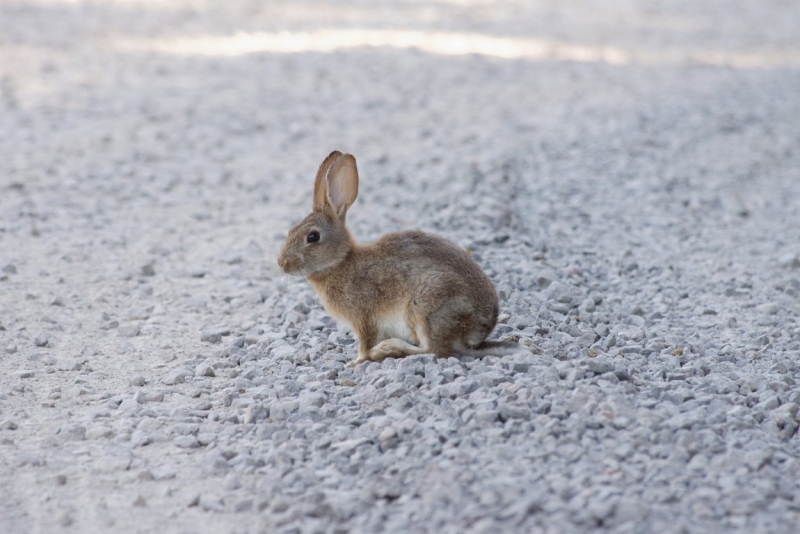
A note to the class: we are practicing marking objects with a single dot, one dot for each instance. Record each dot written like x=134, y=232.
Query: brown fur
x=407, y=293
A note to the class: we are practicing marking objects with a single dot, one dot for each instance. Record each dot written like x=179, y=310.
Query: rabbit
x=408, y=293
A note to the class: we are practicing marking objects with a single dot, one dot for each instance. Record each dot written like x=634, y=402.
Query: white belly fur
x=394, y=325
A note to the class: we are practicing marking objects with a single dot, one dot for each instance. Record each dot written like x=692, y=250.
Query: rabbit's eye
x=312, y=237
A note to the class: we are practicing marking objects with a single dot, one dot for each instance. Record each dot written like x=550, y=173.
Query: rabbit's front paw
x=361, y=358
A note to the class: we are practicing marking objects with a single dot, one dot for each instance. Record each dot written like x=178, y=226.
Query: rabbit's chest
x=395, y=325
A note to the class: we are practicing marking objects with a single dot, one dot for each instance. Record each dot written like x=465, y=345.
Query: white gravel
x=627, y=174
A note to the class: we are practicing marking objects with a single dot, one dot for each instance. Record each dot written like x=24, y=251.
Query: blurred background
x=142, y=127
x=179, y=110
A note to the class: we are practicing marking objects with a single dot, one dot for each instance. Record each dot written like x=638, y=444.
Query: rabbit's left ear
x=321, y=184
x=342, y=182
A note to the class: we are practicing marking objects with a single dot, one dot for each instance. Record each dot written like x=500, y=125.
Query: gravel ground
x=627, y=174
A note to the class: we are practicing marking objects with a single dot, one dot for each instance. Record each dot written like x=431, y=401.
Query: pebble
x=186, y=442
x=74, y=432
x=116, y=458
x=8, y=424
x=137, y=381
x=599, y=366
x=139, y=438
x=214, y=335
x=198, y=272
x=176, y=376
x=204, y=369
x=69, y=364
x=41, y=340
x=769, y=308
x=131, y=330
x=212, y=503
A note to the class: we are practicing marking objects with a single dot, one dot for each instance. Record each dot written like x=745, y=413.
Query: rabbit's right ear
x=321, y=183
x=342, y=184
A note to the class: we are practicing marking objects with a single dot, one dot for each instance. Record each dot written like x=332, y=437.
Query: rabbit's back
x=429, y=266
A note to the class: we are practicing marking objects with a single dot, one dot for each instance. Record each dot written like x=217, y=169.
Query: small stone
x=61, y=480
x=186, y=442
x=610, y=377
x=551, y=375
x=511, y=411
x=164, y=473
x=139, y=502
x=255, y=413
x=24, y=374
x=560, y=292
x=115, y=460
x=74, y=432
x=769, y=308
x=520, y=367
x=140, y=397
x=214, y=335
x=491, y=379
x=387, y=434
x=204, y=370
x=587, y=306
x=394, y=391
x=137, y=380
x=599, y=366
x=785, y=418
x=99, y=431
x=206, y=438
x=212, y=503
x=148, y=269
x=216, y=463
x=140, y=314
x=622, y=373
x=140, y=438
x=11, y=348
x=41, y=340
x=244, y=505
x=68, y=364
x=309, y=400
x=755, y=459
x=131, y=330
x=486, y=416
x=8, y=424
x=197, y=271
x=81, y=390
x=176, y=376
x=9, y=268
x=129, y=406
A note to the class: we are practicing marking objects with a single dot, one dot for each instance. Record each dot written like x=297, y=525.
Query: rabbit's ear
x=342, y=184
x=320, y=184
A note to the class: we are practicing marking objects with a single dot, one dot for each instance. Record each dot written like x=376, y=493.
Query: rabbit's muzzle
x=290, y=263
